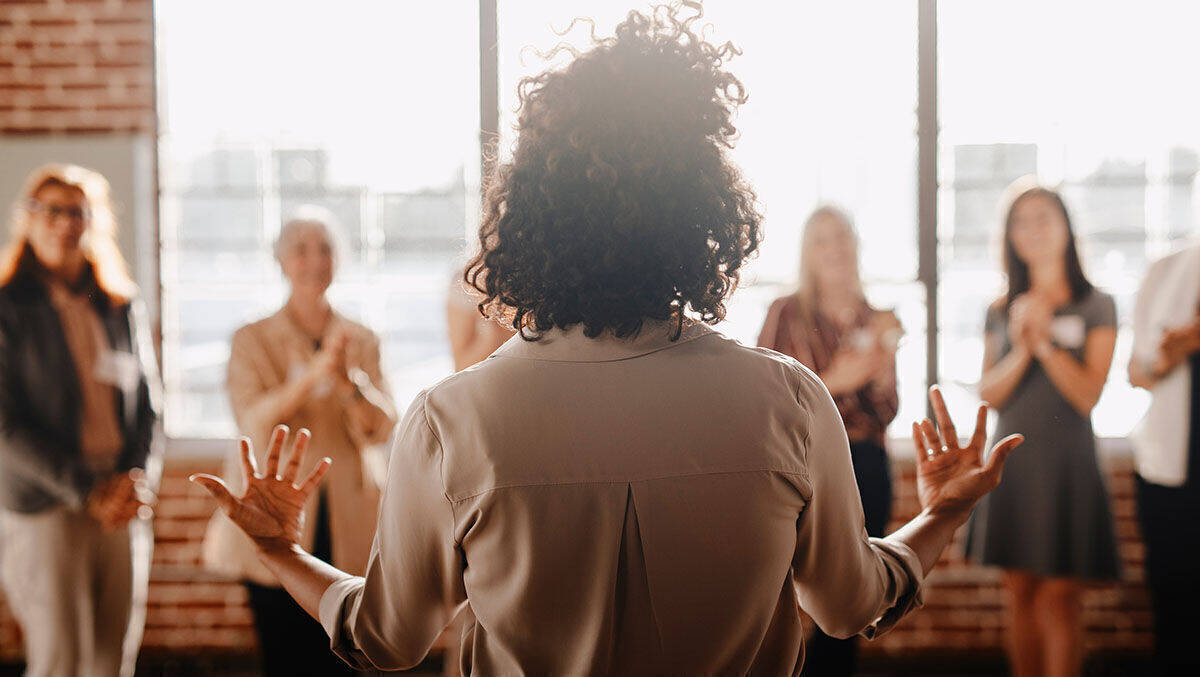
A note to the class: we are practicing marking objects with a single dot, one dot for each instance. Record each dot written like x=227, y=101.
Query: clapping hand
x=952, y=478
x=271, y=510
x=1029, y=321
x=1176, y=346
x=852, y=369
x=330, y=360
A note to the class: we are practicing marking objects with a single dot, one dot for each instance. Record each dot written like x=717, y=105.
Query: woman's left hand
x=951, y=478
x=271, y=511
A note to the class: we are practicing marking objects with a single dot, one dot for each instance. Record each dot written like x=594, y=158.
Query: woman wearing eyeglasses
x=76, y=425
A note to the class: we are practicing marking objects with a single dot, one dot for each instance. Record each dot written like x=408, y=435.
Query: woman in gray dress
x=1049, y=345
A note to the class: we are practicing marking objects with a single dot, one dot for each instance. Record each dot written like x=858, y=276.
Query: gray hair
x=312, y=217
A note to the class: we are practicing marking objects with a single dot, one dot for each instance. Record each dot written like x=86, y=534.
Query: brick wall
x=964, y=609
x=194, y=614
x=73, y=66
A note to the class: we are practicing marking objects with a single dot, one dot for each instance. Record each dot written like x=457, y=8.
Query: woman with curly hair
x=619, y=489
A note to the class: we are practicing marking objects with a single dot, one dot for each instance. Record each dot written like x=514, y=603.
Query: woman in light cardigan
x=307, y=365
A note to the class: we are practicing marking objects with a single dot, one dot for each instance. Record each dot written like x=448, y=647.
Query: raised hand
x=1176, y=346
x=271, y=511
x=952, y=478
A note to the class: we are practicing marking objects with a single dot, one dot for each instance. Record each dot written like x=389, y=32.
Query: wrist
x=269, y=548
x=955, y=514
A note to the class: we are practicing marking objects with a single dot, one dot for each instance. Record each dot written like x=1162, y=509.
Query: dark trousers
x=1170, y=522
x=826, y=655
x=292, y=643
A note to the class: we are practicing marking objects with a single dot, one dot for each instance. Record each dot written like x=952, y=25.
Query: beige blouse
x=100, y=430
x=264, y=356
x=605, y=506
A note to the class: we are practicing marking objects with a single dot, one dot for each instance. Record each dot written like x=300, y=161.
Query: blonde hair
x=99, y=242
x=807, y=291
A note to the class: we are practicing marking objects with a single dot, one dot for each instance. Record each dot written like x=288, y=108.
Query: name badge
x=119, y=369
x=1068, y=331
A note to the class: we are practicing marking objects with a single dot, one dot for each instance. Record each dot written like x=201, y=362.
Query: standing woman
x=76, y=425
x=307, y=366
x=1049, y=345
x=830, y=328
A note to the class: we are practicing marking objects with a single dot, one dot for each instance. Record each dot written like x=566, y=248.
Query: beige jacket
x=264, y=356
x=606, y=506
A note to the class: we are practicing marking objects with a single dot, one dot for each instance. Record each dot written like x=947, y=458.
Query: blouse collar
x=571, y=345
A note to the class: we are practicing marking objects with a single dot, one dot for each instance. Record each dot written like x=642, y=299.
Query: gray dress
x=1050, y=516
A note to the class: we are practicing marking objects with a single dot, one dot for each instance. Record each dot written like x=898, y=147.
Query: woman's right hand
x=330, y=360
x=271, y=511
x=952, y=478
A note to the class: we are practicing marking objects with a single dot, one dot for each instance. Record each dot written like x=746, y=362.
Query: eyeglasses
x=52, y=212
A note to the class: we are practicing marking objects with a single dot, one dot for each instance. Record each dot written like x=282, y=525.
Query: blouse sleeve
x=1102, y=312
x=849, y=583
x=995, y=327
x=389, y=619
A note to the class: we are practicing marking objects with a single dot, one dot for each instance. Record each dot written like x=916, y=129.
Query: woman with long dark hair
x=1049, y=345
x=621, y=490
x=76, y=430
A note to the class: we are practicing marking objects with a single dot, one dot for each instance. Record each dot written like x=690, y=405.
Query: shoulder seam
x=441, y=448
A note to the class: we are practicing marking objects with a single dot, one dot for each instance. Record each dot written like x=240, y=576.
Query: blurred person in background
x=1166, y=361
x=307, y=365
x=830, y=328
x=472, y=336
x=77, y=424
x=1048, y=347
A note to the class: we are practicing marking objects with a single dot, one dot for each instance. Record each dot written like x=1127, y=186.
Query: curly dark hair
x=620, y=203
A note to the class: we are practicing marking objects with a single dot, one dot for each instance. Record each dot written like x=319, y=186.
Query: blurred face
x=59, y=216
x=1039, y=231
x=307, y=261
x=832, y=252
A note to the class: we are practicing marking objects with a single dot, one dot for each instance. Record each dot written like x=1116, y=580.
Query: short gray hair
x=311, y=217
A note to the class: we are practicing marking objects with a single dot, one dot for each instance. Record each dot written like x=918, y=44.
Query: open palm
x=950, y=477
x=271, y=511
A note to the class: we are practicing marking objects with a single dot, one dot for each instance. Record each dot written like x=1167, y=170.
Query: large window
x=311, y=103
x=372, y=109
